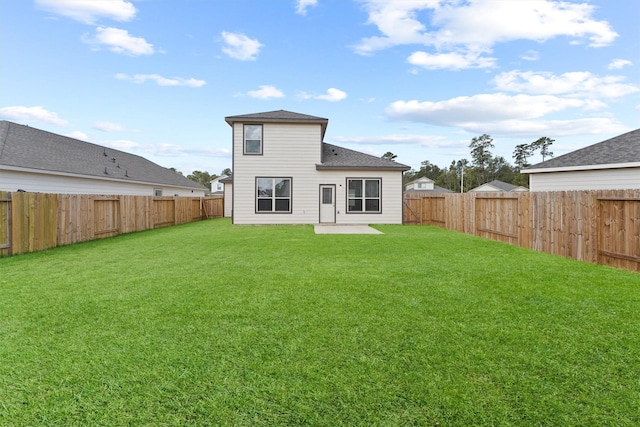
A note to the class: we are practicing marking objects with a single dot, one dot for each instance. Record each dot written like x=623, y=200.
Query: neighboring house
x=424, y=185
x=217, y=187
x=613, y=164
x=39, y=161
x=498, y=186
x=283, y=173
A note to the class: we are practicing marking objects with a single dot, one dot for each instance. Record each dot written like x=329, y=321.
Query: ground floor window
x=273, y=195
x=363, y=195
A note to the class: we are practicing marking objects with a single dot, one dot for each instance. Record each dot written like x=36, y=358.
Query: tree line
x=483, y=166
x=203, y=178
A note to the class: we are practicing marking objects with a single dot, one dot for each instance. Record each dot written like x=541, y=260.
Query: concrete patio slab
x=344, y=229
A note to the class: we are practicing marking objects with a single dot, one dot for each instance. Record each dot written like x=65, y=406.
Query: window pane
x=372, y=188
x=252, y=146
x=372, y=205
x=282, y=205
x=355, y=188
x=253, y=132
x=327, y=196
x=283, y=187
x=355, y=205
x=253, y=139
x=264, y=205
x=265, y=187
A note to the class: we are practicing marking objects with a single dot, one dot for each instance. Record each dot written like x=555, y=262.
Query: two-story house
x=283, y=173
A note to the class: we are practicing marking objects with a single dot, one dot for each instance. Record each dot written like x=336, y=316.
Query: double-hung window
x=363, y=195
x=252, y=139
x=273, y=195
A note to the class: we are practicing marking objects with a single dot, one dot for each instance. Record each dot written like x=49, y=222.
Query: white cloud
x=303, y=5
x=161, y=81
x=617, y=64
x=89, y=12
x=266, y=92
x=332, y=95
x=476, y=26
x=583, y=84
x=452, y=61
x=483, y=108
x=533, y=129
x=108, y=127
x=239, y=46
x=79, y=135
x=120, y=41
x=531, y=55
x=429, y=141
x=31, y=114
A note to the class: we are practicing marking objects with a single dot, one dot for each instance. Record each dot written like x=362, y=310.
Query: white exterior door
x=327, y=204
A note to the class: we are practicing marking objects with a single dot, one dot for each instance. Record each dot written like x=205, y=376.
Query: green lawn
x=209, y=324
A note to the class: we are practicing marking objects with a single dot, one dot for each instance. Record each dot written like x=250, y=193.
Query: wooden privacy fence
x=31, y=222
x=595, y=226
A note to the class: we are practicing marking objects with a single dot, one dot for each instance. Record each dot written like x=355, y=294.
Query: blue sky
x=419, y=78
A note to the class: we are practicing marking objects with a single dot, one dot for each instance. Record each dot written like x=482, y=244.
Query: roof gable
x=30, y=148
x=623, y=148
x=279, y=116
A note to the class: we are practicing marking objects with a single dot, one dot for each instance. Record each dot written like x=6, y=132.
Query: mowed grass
x=210, y=324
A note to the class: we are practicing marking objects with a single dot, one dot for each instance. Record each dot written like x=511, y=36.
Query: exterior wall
x=289, y=150
x=391, y=196
x=602, y=179
x=60, y=184
x=292, y=151
x=228, y=200
x=427, y=185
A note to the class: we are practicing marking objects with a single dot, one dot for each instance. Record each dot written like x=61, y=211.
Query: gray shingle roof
x=334, y=157
x=278, y=116
x=436, y=189
x=26, y=147
x=505, y=186
x=623, y=148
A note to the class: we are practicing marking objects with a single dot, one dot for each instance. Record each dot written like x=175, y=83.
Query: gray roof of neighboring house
x=334, y=157
x=505, y=186
x=436, y=189
x=278, y=116
x=30, y=148
x=623, y=148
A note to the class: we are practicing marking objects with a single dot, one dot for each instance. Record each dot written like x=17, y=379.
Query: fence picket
x=594, y=226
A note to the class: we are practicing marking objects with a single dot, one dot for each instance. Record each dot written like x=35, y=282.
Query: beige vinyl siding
x=289, y=151
x=293, y=151
x=390, y=199
x=602, y=179
x=49, y=183
x=228, y=199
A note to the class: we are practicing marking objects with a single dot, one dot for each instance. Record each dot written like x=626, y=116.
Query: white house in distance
x=498, y=186
x=217, y=187
x=613, y=164
x=283, y=173
x=424, y=185
x=34, y=160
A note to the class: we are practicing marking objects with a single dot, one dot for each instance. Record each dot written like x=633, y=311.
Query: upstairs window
x=363, y=195
x=273, y=195
x=252, y=139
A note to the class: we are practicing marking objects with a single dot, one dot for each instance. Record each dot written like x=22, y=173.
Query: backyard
x=211, y=324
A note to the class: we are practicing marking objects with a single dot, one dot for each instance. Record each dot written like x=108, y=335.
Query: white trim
x=583, y=167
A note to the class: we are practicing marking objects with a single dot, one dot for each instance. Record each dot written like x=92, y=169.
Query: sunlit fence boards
x=31, y=222
x=593, y=226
